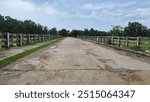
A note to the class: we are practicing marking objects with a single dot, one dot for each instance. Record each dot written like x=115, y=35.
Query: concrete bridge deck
x=73, y=61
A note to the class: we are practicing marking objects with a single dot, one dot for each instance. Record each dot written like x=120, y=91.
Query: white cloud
x=112, y=11
x=127, y=4
x=23, y=9
x=45, y=8
x=138, y=12
x=18, y=5
x=143, y=11
x=26, y=6
x=106, y=5
x=91, y=6
x=106, y=11
x=65, y=13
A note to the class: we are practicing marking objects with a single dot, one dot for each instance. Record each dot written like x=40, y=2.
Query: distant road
x=73, y=61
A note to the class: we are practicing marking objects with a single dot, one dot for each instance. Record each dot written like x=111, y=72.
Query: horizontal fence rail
x=8, y=40
x=135, y=43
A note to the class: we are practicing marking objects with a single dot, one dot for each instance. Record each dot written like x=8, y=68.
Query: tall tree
x=64, y=32
x=135, y=29
x=8, y=24
x=53, y=31
x=117, y=30
x=75, y=33
x=86, y=32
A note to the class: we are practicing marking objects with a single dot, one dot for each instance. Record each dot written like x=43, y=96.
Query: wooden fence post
x=39, y=38
x=112, y=40
x=29, y=38
x=101, y=39
x=104, y=40
x=46, y=37
x=97, y=38
x=127, y=41
x=42, y=38
x=119, y=41
x=138, y=41
x=8, y=40
x=49, y=37
x=34, y=38
x=20, y=39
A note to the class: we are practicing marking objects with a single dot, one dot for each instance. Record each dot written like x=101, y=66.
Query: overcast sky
x=78, y=14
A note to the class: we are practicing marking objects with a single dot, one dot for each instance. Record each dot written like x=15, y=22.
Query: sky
x=78, y=14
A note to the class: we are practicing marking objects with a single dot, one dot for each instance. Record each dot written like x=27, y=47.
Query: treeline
x=8, y=24
x=133, y=29
x=86, y=32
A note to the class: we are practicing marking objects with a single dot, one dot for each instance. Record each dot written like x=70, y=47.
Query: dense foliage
x=8, y=24
x=133, y=29
x=136, y=29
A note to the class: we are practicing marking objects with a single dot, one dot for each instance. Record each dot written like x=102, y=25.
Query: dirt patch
x=44, y=57
x=82, y=44
x=90, y=53
x=2, y=55
x=109, y=68
x=77, y=65
x=27, y=83
x=22, y=68
x=106, y=60
x=135, y=56
x=14, y=51
x=99, y=66
x=130, y=77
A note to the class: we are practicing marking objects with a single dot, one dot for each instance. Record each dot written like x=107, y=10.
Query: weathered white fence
x=125, y=42
x=11, y=40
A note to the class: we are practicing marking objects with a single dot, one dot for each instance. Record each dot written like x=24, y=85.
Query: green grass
x=136, y=48
x=12, y=59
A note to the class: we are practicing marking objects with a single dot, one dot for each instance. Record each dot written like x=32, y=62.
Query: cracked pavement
x=76, y=62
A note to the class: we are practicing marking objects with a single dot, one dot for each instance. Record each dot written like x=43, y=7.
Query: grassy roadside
x=12, y=59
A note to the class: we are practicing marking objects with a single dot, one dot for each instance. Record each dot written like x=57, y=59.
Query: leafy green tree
x=64, y=32
x=8, y=24
x=86, y=32
x=135, y=29
x=45, y=30
x=92, y=32
x=76, y=33
x=53, y=31
x=117, y=30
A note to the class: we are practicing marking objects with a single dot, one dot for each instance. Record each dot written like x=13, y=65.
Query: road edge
x=121, y=49
x=9, y=60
